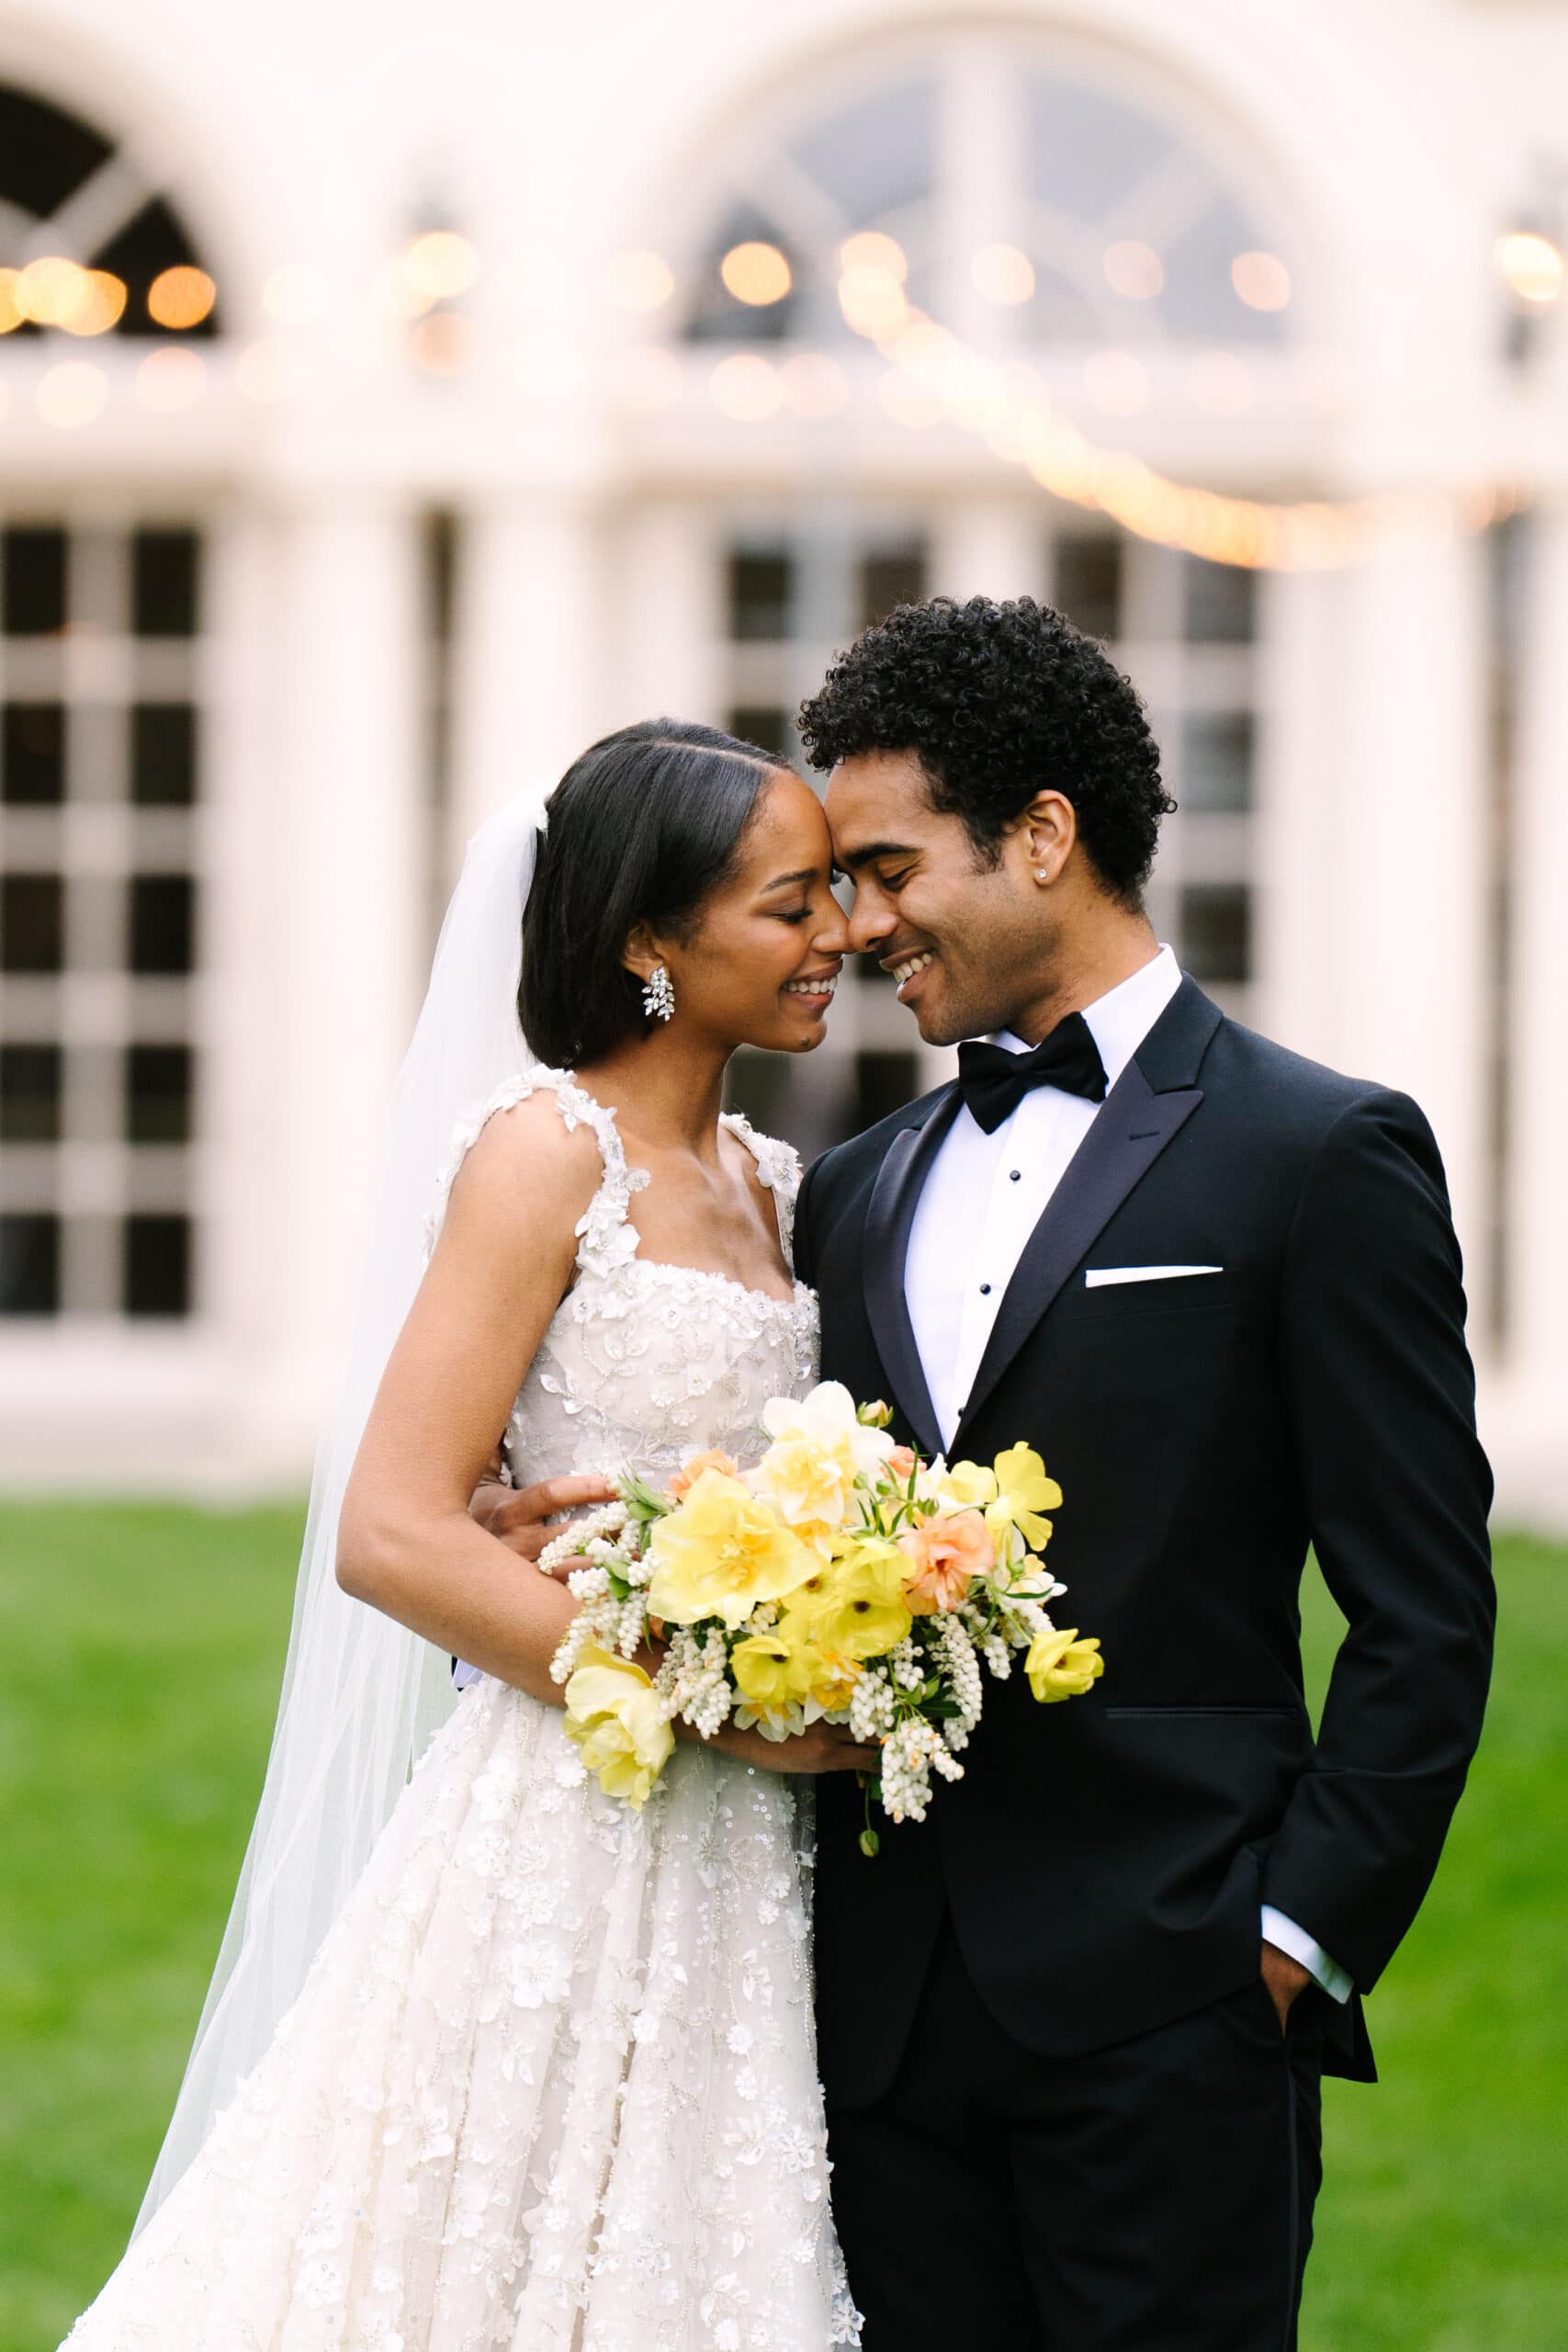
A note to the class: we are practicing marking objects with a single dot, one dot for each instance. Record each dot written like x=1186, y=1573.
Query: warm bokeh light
x=171, y=380
x=11, y=312
x=270, y=369
x=53, y=291
x=813, y=385
x=641, y=280
x=1116, y=383
x=649, y=379
x=872, y=299
x=181, y=297
x=72, y=394
x=1531, y=266
x=756, y=273
x=296, y=294
x=869, y=249
x=1132, y=269
x=444, y=344
x=746, y=388
x=105, y=307
x=1261, y=281
x=440, y=265
x=1220, y=383
x=1003, y=275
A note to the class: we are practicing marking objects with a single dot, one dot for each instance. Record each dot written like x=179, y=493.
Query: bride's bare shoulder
x=528, y=1167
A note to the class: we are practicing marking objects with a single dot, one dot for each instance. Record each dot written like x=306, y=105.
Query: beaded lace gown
x=551, y=2083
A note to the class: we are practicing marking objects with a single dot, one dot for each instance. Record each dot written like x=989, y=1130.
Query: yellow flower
x=1061, y=1666
x=1023, y=1491
x=773, y=1669
x=720, y=1553
x=968, y=1488
x=615, y=1719
x=810, y=1485
x=856, y=1607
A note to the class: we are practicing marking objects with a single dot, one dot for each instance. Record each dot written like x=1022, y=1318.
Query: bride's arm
x=406, y=1543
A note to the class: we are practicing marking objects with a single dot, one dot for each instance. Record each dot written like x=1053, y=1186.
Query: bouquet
x=843, y=1578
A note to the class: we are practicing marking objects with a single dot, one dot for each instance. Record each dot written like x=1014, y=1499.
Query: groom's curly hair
x=999, y=702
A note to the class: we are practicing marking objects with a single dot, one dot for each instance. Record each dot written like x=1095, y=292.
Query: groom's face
x=962, y=935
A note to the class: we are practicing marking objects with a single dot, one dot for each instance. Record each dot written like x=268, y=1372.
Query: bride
x=490, y=2060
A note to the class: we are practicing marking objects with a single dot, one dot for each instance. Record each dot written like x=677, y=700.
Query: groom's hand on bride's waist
x=1284, y=1978
x=527, y=1518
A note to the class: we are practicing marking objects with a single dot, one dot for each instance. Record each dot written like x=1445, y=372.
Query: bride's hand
x=525, y=1517
x=820, y=1748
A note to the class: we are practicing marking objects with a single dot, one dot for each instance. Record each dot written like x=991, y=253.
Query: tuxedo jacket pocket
x=1124, y=1277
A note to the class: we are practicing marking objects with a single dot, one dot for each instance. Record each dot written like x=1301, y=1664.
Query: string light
x=72, y=394
x=641, y=280
x=105, y=305
x=171, y=380
x=746, y=388
x=181, y=297
x=269, y=369
x=444, y=344
x=756, y=273
x=1531, y=266
x=869, y=249
x=440, y=265
x=1261, y=281
x=1132, y=269
x=11, y=312
x=1003, y=275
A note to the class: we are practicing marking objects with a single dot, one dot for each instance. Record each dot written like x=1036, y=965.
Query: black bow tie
x=994, y=1082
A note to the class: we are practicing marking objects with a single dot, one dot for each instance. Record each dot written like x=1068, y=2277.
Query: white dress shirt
x=983, y=1195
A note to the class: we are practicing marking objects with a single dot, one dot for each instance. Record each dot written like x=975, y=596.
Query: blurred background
x=391, y=402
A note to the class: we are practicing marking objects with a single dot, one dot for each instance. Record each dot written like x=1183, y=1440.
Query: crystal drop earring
x=658, y=995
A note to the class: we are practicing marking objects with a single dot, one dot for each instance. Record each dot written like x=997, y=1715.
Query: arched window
x=88, y=245
x=101, y=745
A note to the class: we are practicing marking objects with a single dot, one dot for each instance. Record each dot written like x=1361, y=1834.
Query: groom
x=1072, y=2027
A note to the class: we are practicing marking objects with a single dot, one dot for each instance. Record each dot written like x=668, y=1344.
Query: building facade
x=388, y=405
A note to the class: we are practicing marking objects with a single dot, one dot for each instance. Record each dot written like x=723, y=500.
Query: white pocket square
x=1100, y=1277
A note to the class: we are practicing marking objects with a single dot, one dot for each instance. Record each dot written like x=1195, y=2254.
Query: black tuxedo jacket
x=1104, y=1860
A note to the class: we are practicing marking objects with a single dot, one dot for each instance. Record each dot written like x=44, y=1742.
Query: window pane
x=1217, y=761
x=32, y=753
x=32, y=923
x=163, y=754
x=759, y=595
x=158, y=1093
x=163, y=910
x=1221, y=604
x=32, y=582
x=163, y=586
x=883, y=1083
x=1089, y=585
x=30, y=1265
x=1216, y=931
x=30, y=1093
x=157, y=1265
x=768, y=728
x=896, y=576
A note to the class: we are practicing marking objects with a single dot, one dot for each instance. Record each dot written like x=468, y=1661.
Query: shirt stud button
x=985, y=1290
x=1013, y=1174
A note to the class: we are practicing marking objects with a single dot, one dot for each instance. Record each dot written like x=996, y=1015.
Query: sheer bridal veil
x=361, y=1695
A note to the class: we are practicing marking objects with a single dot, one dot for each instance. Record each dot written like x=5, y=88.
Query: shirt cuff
x=1288, y=1937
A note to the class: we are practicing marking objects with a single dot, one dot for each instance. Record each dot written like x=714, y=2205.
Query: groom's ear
x=1047, y=832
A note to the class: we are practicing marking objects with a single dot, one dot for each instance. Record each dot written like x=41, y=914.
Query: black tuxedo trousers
x=1100, y=1867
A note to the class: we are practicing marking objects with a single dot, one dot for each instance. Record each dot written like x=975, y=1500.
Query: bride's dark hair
x=643, y=828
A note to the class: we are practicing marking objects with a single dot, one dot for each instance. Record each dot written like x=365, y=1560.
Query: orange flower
x=690, y=1472
x=901, y=1461
x=946, y=1552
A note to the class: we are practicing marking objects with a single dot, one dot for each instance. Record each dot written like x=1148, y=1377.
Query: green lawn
x=139, y=1658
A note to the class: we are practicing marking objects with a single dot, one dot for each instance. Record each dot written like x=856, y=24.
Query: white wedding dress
x=551, y=2083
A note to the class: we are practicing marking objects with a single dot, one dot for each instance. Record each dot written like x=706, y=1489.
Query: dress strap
x=605, y=1238
x=778, y=1169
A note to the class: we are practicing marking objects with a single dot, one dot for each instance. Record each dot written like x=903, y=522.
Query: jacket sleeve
x=1381, y=1400
x=801, y=1249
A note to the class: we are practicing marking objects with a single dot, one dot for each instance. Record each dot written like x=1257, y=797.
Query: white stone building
x=476, y=450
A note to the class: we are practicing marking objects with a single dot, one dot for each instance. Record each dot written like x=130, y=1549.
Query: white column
x=991, y=547
x=667, y=582
x=526, y=674
x=348, y=929
x=1536, y=1321
x=1409, y=818
x=1298, y=990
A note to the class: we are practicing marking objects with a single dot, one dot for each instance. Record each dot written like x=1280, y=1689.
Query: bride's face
x=761, y=965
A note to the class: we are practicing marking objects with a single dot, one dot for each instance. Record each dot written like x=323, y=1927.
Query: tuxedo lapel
x=1150, y=1103
x=889, y=1217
